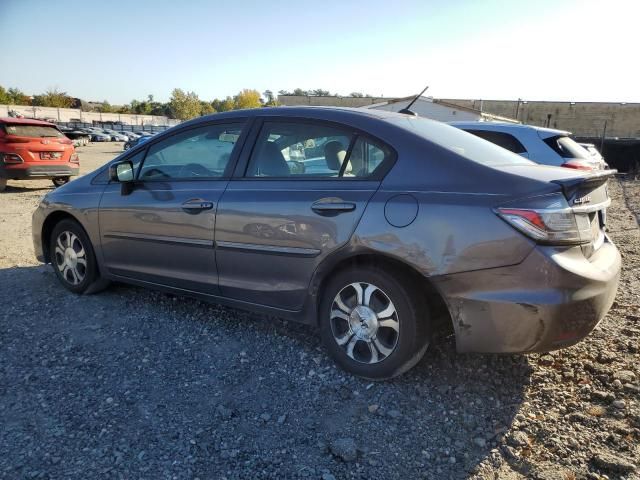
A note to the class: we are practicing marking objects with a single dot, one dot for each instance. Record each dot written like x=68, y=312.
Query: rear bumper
x=27, y=171
x=553, y=299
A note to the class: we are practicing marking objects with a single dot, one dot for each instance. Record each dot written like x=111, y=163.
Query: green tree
x=53, y=98
x=206, y=108
x=356, y=94
x=320, y=92
x=184, y=105
x=223, y=105
x=5, y=99
x=106, y=107
x=247, y=98
x=299, y=91
x=271, y=98
x=16, y=97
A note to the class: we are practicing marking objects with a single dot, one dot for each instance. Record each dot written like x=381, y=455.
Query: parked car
x=130, y=135
x=595, y=153
x=79, y=137
x=132, y=143
x=542, y=145
x=100, y=137
x=115, y=136
x=431, y=219
x=33, y=149
x=144, y=134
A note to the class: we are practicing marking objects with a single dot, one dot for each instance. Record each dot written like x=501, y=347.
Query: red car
x=32, y=149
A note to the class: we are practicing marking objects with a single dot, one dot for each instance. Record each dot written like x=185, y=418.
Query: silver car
x=406, y=219
x=542, y=145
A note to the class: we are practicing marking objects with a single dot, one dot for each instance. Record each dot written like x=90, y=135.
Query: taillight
x=74, y=158
x=10, y=158
x=553, y=223
x=577, y=164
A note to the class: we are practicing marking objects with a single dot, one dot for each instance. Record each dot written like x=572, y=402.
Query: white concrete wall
x=427, y=109
x=72, y=114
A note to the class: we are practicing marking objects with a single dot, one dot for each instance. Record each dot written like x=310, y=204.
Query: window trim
x=235, y=153
x=475, y=131
x=123, y=157
x=242, y=167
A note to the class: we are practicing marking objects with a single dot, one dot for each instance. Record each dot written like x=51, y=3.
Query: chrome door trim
x=270, y=249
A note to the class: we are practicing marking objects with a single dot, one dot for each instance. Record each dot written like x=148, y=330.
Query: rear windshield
x=458, y=141
x=32, y=131
x=567, y=147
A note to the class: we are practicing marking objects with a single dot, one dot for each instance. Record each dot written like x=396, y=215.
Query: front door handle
x=196, y=205
x=329, y=208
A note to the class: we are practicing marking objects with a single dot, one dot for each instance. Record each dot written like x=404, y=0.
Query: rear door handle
x=196, y=205
x=328, y=208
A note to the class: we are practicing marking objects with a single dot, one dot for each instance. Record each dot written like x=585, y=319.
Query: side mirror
x=121, y=172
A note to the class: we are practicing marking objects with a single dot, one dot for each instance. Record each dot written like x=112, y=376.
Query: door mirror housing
x=121, y=172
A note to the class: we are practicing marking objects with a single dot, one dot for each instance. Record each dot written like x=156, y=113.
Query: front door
x=304, y=190
x=162, y=230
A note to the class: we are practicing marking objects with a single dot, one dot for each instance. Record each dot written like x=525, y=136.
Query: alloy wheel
x=70, y=257
x=364, y=322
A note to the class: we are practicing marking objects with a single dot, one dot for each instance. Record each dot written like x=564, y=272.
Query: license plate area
x=50, y=155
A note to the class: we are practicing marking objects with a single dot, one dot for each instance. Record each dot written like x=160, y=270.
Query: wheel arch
x=328, y=269
x=49, y=224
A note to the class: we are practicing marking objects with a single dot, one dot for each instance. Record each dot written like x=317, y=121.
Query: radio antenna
x=407, y=110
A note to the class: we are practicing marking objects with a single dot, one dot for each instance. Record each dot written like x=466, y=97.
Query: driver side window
x=198, y=153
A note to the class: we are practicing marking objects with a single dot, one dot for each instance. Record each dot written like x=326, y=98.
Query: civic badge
x=581, y=200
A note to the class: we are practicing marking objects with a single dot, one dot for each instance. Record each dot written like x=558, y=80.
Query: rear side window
x=310, y=150
x=458, y=141
x=39, y=131
x=566, y=147
x=502, y=139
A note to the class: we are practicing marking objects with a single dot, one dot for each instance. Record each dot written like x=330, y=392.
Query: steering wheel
x=193, y=170
x=155, y=172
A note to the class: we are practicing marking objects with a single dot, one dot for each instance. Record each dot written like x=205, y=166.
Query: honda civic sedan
x=405, y=218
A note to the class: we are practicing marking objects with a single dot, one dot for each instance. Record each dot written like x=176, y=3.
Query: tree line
x=182, y=105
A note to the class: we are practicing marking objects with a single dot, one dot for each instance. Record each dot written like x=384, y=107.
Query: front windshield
x=464, y=144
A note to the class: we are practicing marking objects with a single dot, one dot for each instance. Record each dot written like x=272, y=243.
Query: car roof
x=312, y=112
x=24, y=121
x=503, y=126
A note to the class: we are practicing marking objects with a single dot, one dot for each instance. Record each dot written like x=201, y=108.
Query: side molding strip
x=269, y=249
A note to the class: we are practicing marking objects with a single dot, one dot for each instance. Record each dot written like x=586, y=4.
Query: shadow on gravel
x=13, y=188
x=136, y=384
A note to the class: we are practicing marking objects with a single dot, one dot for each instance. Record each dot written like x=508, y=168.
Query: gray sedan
x=400, y=226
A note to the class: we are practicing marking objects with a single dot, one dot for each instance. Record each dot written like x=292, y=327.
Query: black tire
x=83, y=277
x=3, y=184
x=411, y=314
x=60, y=181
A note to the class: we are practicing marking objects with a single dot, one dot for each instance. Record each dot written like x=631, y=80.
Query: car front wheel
x=373, y=322
x=72, y=256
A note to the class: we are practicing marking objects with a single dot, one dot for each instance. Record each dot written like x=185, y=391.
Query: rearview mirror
x=121, y=172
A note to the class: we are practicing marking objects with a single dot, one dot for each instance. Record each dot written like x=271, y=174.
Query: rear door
x=162, y=231
x=296, y=198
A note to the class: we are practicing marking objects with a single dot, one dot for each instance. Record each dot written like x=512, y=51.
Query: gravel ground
x=137, y=384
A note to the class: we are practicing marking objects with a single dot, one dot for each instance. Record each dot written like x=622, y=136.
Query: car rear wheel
x=3, y=184
x=72, y=256
x=373, y=323
x=59, y=181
